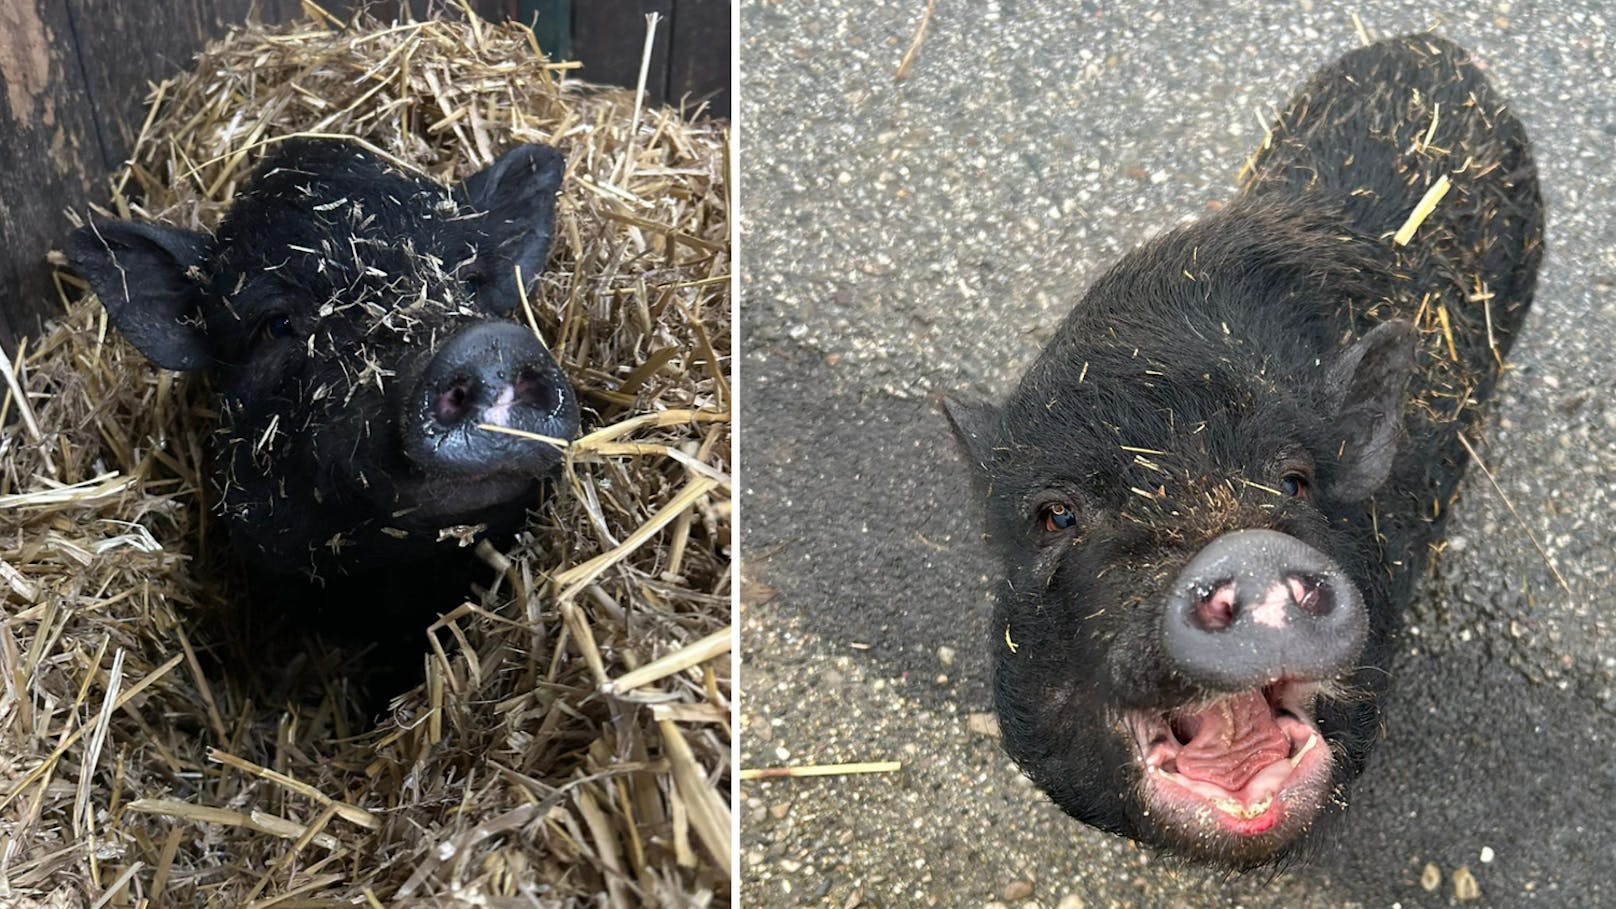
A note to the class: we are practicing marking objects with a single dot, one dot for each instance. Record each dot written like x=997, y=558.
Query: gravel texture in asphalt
x=907, y=239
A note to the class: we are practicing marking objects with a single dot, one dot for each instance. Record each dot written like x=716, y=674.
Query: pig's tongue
x=1231, y=741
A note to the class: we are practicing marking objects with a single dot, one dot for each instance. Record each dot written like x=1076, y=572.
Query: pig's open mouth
x=1247, y=766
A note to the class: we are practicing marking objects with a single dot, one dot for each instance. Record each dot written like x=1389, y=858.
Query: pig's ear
x=975, y=425
x=1367, y=385
x=517, y=195
x=145, y=277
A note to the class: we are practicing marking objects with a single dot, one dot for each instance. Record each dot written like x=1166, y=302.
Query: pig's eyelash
x=1035, y=501
x=1292, y=458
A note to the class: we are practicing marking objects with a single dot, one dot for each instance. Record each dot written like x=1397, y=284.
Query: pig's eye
x=1058, y=517
x=1293, y=485
x=277, y=327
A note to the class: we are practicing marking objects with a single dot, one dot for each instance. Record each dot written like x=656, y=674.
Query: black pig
x=1215, y=487
x=350, y=314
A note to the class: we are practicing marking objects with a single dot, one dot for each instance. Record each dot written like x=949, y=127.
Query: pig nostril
x=532, y=388
x=1311, y=594
x=453, y=404
x=1214, y=609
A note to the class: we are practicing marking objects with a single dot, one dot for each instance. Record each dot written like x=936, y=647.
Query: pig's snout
x=1255, y=606
x=490, y=374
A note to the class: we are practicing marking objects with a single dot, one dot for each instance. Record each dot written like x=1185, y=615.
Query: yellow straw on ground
x=771, y=773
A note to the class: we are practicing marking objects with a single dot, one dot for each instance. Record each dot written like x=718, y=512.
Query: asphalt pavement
x=901, y=240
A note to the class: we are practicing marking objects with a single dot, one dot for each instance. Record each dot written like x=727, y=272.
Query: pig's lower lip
x=459, y=499
x=1242, y=784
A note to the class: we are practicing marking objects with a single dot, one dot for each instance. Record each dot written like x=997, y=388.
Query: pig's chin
x=446, y=500
x=1239, y=778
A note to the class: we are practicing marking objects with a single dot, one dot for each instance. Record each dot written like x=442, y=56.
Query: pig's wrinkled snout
x=1255, y=606
x=490, y=374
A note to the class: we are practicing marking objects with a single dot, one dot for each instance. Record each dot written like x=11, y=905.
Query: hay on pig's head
x=571, y=736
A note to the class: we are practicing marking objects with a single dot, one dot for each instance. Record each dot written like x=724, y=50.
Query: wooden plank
x=48, y=155
x=551, y=21
x=608, y=37
x=168, y=34
x=699, y=55
x=692, y=55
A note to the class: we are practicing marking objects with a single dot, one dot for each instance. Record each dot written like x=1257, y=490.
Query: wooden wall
x=74, y=75
x=690, y=60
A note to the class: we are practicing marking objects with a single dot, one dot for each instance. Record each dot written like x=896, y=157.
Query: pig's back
x=1372, y=134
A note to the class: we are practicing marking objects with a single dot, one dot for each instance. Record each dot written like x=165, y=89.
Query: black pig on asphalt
x=1214, y=489
x=355, y=319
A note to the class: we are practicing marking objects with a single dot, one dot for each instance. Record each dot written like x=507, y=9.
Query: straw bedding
x=571, y=742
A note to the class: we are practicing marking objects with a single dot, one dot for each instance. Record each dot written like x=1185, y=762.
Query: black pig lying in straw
x=351, y=314
x=1214, y=488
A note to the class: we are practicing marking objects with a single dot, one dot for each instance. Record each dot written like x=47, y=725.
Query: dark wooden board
x=167, y=34
x=551, y=21
x=48, y=154
x=608, y=36
x=691, y=60
x=699, y=55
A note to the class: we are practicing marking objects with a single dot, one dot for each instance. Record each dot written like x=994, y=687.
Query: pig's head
x=355, y=319
x=1181, y=493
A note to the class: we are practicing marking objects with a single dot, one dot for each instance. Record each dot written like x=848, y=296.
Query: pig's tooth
x=1233, y=808
x=1312, y=739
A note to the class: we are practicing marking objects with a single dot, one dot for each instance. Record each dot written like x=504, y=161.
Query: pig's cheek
x=352, y=441
x=255, y=448
x=245, y=493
